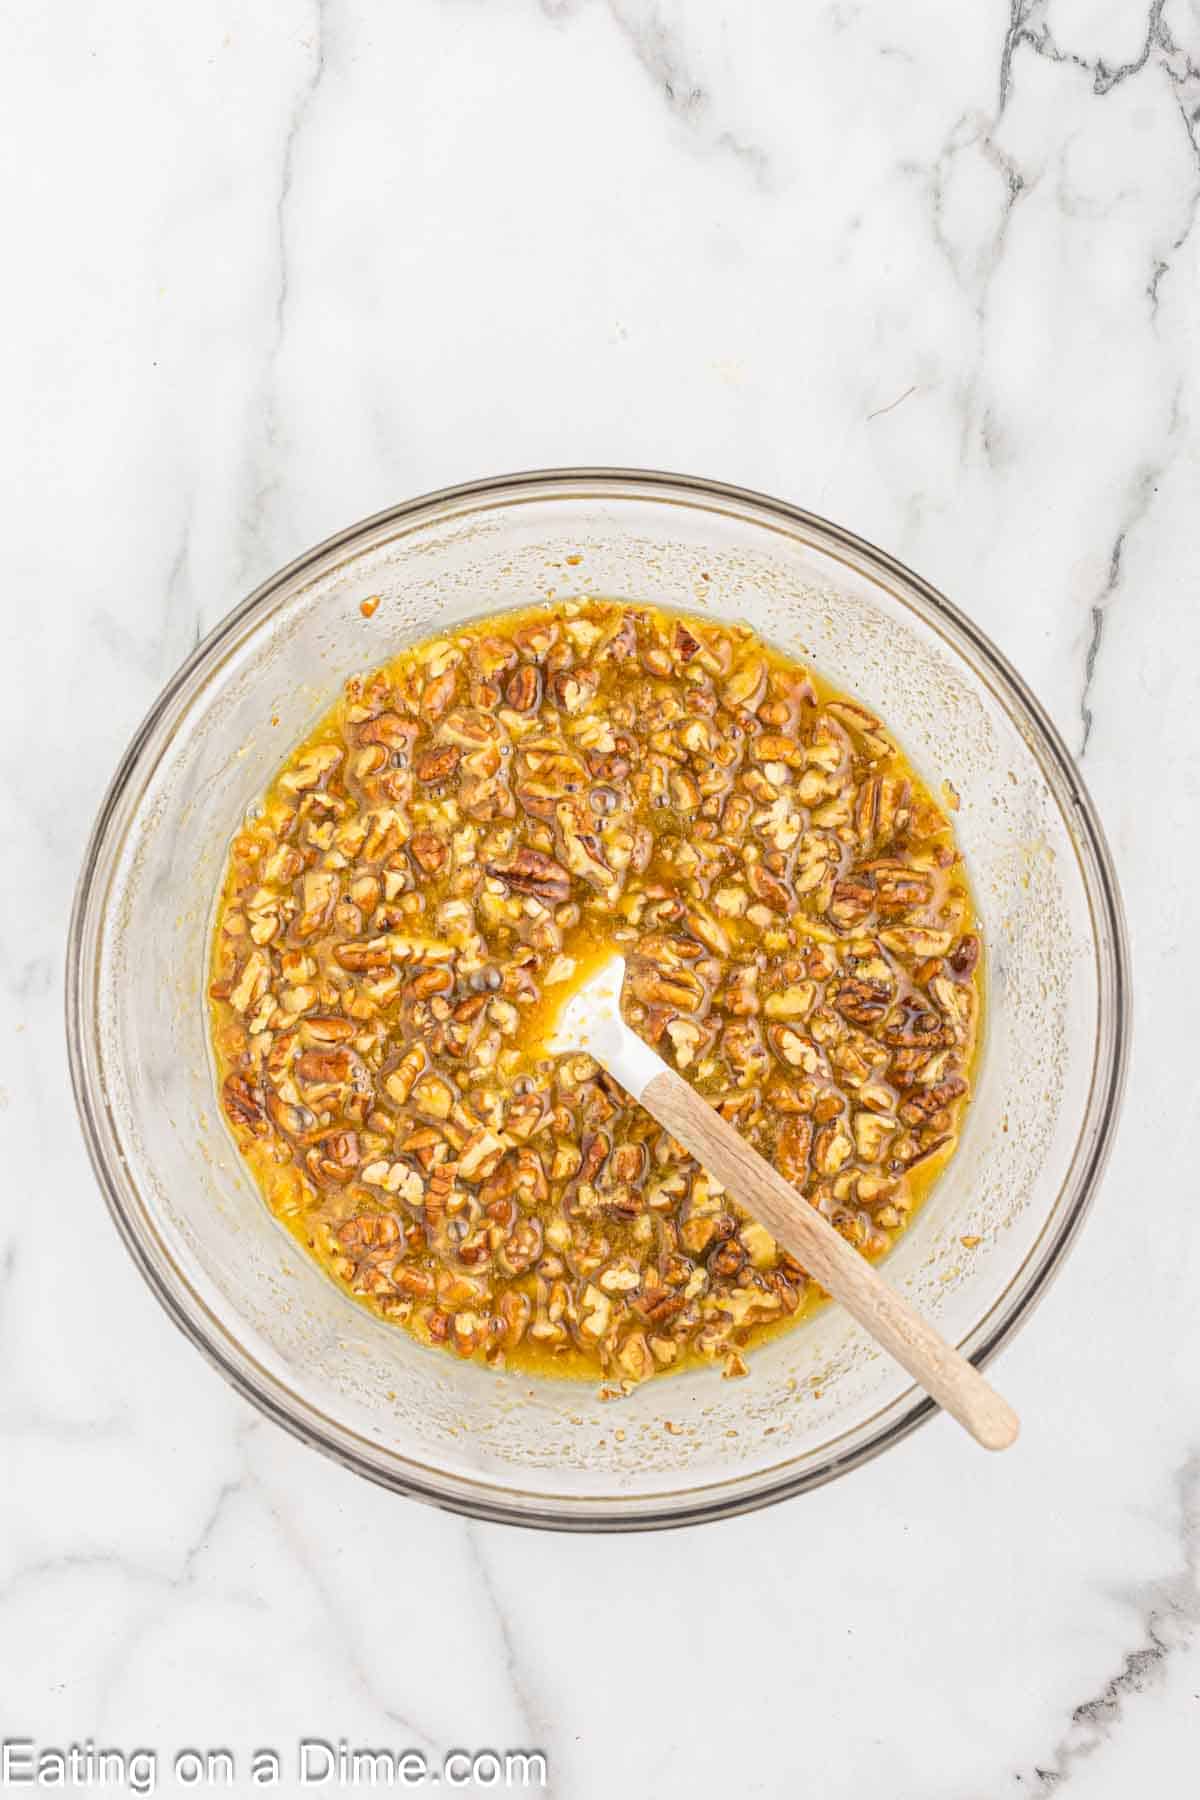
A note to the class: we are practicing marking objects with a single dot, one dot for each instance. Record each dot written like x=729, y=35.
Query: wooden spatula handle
x=829, y=1259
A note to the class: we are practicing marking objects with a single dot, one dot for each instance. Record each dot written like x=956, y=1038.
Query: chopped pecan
x=793, y=1145
x=851, y=901
x=334, y=1157
x=323, y=1066
x=522, y=1249
x=900, y=890
x=572, y=689
x=359, y=958
x=863, y=1002
x=912, y=1026
x=523, y=690
x=438, y=694
x=930, y=1101
x=437, y=764
x=769, y=889
x=389, y=729
x=964, y=957
x=533, y=872
x=243, y=1105
x=430, y=851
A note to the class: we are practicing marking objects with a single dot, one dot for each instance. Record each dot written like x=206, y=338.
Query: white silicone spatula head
x=591, y=1021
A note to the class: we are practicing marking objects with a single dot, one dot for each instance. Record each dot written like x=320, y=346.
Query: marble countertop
x=934, y=276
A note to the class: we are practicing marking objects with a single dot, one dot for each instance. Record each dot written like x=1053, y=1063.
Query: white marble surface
x=929, y=270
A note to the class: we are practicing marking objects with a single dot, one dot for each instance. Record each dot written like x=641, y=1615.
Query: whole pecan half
x=533, y=872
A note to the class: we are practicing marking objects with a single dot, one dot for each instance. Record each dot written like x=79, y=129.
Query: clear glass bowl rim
x=744, y=1494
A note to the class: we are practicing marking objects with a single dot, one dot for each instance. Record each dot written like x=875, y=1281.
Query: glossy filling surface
x=471, y=828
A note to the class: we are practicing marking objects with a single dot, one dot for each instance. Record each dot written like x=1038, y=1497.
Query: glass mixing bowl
x=504, y=1446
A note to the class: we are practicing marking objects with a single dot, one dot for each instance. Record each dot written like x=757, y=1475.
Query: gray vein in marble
x=533, y=1720
x=8, y=1268
x=658, y=50
x=169, y=1585
x=1170, y=1612
x=1027, y=25
x=133, y=650
x=109, y=1429
x=44, y=1568
x=1184, y=76
x=227, y=1492
x=974, y=268
x=130, y=1641
x=266, y=481
x=1028, y=28
x=296, y=122
x=1143, y=486
x=350, y=1654
x=973, y=132
x=33, y=980
x=157, y=654
x=178, y=596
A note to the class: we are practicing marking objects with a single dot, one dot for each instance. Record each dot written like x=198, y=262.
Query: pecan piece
x=368, y=1231
x=674, y=987
x=747, y=685
x=390, y=729
x=793, y=1048
x=359, y=958
x=524, y=688
x=310, y=767
x=582, y=849
x=571, y=689
x=334, y=1157
x=438, y=694
x=686, y=646
x=659, y=1305
x=494, y=656
x=919, y=942
x=929, y=1101
x=515, y=1310
x=769, y=889
x=323, y=1066
x=595, y=1155
x=862, y=1002
x=851, y=901
x=901, y=890
x=881, y=809
x=417, y=1283
x=430, y=981
x=437, y=765
x=832, y=1148
x=328, y=1030
x=523, y=1247
x=524, y=1115
x=243, y=1106
x=792, y=1146
x=964, y=956
x=728, y=1260
x=480, y=1156
x=399, y=1084
x=533, y=872
x=429, y=851
x=914, y=1027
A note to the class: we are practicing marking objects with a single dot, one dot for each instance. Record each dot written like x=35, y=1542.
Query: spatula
x=591, y=1021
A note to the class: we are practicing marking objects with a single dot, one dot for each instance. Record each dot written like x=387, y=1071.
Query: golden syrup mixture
x=465, y=835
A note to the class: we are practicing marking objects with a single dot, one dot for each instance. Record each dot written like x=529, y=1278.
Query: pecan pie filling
x=454, y=847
